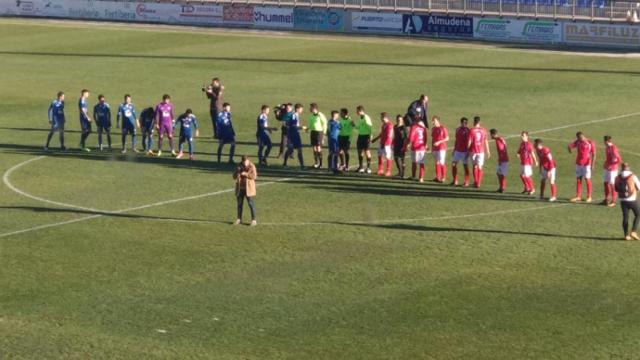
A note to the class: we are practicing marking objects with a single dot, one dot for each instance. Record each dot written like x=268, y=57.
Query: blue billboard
x=438, y=25
x=318, y=19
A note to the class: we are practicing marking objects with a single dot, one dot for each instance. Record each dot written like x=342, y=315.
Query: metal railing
x=583, y=10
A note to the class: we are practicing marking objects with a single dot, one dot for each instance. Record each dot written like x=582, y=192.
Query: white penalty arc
x=100, y=213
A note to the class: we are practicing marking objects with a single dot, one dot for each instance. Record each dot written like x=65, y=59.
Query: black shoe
x=500, y=191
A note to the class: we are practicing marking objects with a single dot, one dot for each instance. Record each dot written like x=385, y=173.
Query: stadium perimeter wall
x=528, y=31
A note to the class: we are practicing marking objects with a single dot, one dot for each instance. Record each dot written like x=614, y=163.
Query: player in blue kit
x=333, y=130
x=293, y=136
x=85, y=120
x=147, y=123
x=56, y=120
x=102, y=116
x=226, y=134
x=127, y=112
x=263, y=132
x=188, y=123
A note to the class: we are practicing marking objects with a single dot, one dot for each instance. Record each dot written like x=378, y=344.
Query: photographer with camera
x=214, y=94
x=245, y=177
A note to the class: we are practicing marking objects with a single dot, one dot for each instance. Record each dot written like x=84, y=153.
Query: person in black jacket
x=417, y=111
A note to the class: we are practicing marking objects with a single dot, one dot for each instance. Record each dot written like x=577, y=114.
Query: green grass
x=376, y=275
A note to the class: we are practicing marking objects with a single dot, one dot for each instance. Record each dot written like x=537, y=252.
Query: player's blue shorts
x=103, y=125
x=128, y=129
x=186, y=135
x=85, y=125
x=57, y=125
x=263, y=139
x=294, y=141
x=334, y=145
x=226, y=138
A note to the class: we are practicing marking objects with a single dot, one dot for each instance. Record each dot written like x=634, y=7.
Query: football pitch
x=104, y=255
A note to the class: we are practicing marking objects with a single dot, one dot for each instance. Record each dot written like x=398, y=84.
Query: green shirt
x=364, y=125
x=318, y=122
x=346, y=126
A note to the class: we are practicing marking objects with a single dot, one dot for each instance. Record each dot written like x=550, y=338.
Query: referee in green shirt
x=344, y=138
x=363, y=126
x=318, y=127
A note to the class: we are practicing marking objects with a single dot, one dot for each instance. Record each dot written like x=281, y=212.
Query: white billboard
x=601, y=34
x=376, y=22
x=530, y=31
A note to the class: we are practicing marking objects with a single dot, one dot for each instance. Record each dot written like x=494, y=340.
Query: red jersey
x=462, y=139
x=418, y=137
x=526, y=153
x=546, y=159
x=501, y=147
x=386, y=134
x=437, y=134
x=612, y=158
x=478, y=137
x=586, y=149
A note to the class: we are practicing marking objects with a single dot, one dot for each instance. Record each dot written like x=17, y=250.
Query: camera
x=279, y=110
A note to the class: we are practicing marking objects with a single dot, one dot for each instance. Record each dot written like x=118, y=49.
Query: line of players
x=471, y=146
x=408, y=133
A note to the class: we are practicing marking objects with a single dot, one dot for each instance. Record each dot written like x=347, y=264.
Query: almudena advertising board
x=335, y=20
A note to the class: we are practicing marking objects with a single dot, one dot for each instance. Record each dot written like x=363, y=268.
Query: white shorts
x=439, y=156
x=502, y=169
x=548, y=174
x=386, y=152
x=526, y=170
x=610, y=176
x=417, y=157
x=583, y=171
x=460, y=156
x=477, y=159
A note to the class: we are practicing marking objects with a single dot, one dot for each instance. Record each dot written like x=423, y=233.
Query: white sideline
x=100, y=213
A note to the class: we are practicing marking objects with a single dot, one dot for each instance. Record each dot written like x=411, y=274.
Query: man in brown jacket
x=245, y=177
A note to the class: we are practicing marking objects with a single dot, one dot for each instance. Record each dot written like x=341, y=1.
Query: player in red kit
x=439, y=138
x=418, y=140
x=478, y=145
x=611, y=162
x=585, y=158
x=547, y=170
x=460, y=152
x=503, y=159
x=527, y=159
x=385, y=150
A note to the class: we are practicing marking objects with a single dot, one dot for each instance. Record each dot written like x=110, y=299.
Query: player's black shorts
x=398, y=152
x=344, y=142
x=316, y=138
x=364, y=142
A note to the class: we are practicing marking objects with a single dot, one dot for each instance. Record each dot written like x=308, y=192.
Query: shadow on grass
x=488, y=232
x=316, y=62
x=41, y=209
x=351, y=182
x=389, y=226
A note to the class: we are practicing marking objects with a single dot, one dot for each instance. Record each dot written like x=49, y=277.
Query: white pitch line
x=99, y=213
x=40, y=227
x=6, y=180
x=102, y=213
x=582, y=123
